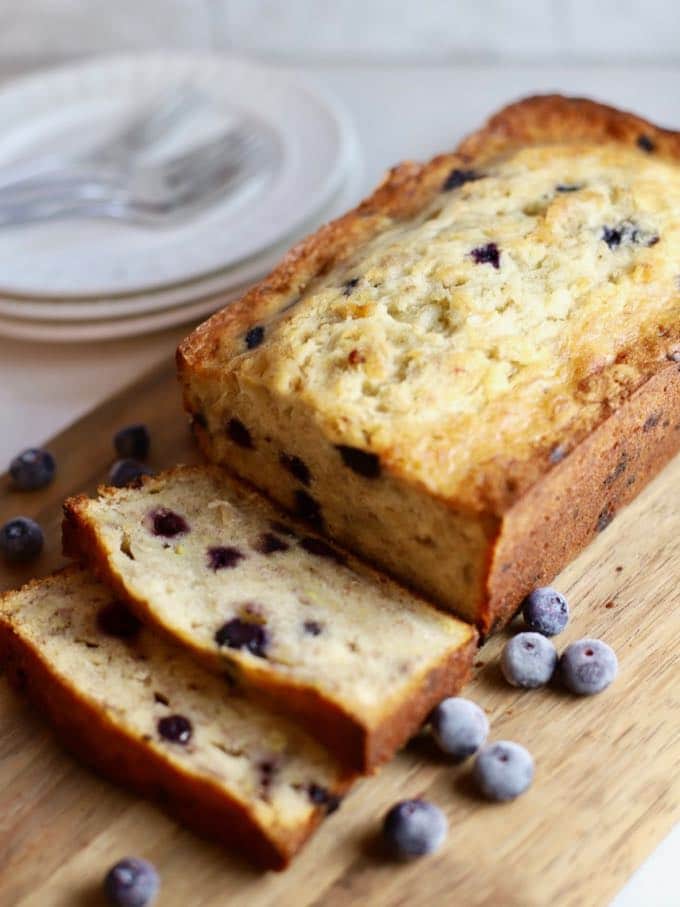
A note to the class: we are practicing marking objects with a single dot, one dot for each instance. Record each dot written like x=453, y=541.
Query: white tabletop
x=404, y=112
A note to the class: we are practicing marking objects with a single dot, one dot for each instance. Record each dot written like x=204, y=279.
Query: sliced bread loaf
x=141, y=711
x=355, y=657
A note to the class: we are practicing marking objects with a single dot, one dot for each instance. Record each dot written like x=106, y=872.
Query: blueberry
x=296, y=467
x=313, y=627
x=308, y=508
x=413, y=828
x=133, y=441
x=239, y=434
x=321, y=549
x=528, y=660
x=167, y=523
x=126, y=472
x=223, y=558
x=645, y=143
x=588, y=666
x=254, y=336
x=487, y=255
x=459, y=727
x=503, y=770
x=32, y=469
x=21, y=539
x=176, y=728
x=545, y=611
x=568, y=187
x=320, y=796
x=115, y=619
x=243, y=634
x=458, y=178
x=131, y=883
x=268, y=543
x=360, y=461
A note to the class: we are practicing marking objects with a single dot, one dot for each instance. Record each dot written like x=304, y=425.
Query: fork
x=159, y=193
x=116, y=152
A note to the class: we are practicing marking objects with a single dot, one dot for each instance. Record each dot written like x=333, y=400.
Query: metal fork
x=159, y=193
x=117, y=151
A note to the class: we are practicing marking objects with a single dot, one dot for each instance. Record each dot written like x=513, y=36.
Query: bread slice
x=360, y=661
x=477, y=367
x=142, y=712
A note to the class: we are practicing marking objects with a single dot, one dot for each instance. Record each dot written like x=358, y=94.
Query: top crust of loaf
x=214, y=352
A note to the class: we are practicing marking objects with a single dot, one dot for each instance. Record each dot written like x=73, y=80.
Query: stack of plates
x=78, y=280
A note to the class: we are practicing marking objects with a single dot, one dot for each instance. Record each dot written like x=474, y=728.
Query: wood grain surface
x=607, y=785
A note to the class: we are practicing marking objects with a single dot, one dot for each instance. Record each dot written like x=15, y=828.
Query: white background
x=449, y=31
x=415, y=75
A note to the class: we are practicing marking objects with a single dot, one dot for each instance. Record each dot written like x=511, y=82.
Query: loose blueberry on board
x=21, y=540
x=32, y=469
x=503, y=770
x=459, y=727
x=528, y=660
x=133, y=441
x=588, y=666
x=546, y=611
x=131, y=883
x=125, y=472
x=413, y=828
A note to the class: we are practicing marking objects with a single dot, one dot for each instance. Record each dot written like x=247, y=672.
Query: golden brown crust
x=517, y=494
x=88, y=733
x=581, y=495
x=358, y=747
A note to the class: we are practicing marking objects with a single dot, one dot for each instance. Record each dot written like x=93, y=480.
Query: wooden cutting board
x=607, y=786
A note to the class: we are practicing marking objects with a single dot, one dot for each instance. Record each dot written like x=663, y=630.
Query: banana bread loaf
x=465, y=378
x=142, y=712
x=357, y=659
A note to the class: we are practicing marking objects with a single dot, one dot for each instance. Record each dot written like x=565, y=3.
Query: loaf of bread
x=142, y=712
x=357, y=659
x=466, y=377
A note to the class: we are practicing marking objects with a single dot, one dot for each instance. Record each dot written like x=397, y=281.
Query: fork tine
x=152, y=121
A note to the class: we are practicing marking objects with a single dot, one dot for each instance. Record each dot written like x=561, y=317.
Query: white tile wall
x=356, y=30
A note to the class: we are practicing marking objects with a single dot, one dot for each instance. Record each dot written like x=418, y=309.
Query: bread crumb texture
x=511, y=312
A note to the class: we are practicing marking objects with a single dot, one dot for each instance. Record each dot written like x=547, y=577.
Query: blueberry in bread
x=360, y=661
x=477, y=367
x=142, y=712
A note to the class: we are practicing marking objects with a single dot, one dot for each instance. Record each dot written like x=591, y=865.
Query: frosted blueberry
x=131, y=883
x=459, y=727
x=503, y=770
x=546, y=611
x=413, y=828
x=528, y=660
x=588, y=666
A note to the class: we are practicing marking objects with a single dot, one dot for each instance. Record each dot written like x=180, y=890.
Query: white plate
x=85, y=310
x=67, y=107
x=111, y=329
